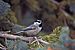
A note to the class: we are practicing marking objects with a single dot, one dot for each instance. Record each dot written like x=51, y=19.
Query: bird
x=33, y=29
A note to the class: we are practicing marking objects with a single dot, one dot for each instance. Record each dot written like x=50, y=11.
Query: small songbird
x=33, y=29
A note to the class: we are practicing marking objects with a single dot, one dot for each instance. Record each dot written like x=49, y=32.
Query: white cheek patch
x=36, y=23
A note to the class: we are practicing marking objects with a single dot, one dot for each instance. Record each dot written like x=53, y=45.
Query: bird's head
x=38, y=22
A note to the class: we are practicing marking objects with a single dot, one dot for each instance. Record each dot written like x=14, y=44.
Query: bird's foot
x=36, y=40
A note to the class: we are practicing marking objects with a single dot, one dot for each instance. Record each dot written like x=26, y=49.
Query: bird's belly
x=31, y=33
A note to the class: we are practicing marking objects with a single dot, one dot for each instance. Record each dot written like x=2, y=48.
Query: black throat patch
x=40, y=25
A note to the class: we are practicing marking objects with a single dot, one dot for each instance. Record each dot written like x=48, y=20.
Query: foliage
x=6, y=12
x=16, y=45
x=5, y=25
x=4, y=8
x=64, y=35
x=54, y=36
x=11, y=16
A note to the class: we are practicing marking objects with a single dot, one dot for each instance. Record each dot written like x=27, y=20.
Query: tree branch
x=9, y=36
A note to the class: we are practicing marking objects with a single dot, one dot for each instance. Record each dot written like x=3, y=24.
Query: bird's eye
x=38, y=21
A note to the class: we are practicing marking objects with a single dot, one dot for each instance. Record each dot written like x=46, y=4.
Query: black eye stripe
x=37, y=21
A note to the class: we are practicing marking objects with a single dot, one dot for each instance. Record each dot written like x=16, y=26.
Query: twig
x=2, y=47
x=43, y=41
x=37, y=40
x=53, y=1
x=33, y=42
x=66, y=14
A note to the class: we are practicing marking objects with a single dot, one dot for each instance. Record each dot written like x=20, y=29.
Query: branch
x=55, y=2
x=9, y=36
x=14, y=37
x=66, y=14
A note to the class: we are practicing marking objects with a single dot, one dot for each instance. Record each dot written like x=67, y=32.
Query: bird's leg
x=37, y=40
x=33, y=41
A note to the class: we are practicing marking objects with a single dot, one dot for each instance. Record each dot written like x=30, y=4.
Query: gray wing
x=31, y=27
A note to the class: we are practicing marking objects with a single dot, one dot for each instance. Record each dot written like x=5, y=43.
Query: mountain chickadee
x=33, y=29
